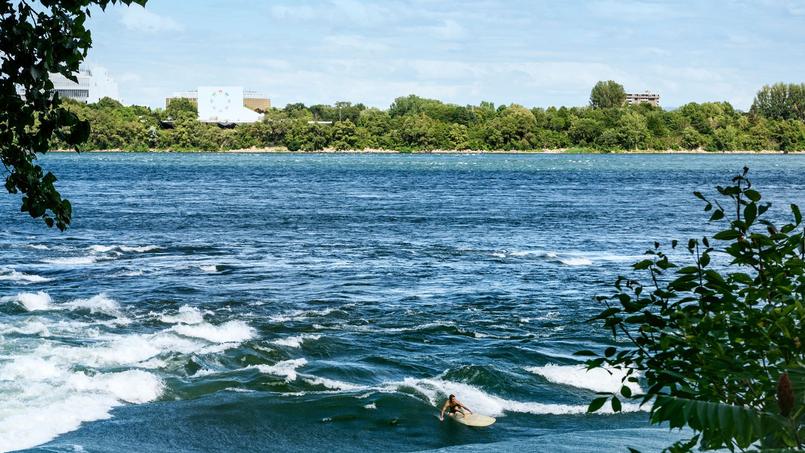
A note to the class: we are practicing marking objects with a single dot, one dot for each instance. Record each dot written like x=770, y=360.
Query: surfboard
x=473, y=419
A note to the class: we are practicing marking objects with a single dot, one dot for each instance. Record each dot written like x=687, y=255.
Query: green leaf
x=607, y=313
x=750, y=213
x=797, y=214
x=753, y=195
x=597, y=404
x=727, y=235
x=616, y=404
x=720, y=422
x=626, y=392
x=718, y=214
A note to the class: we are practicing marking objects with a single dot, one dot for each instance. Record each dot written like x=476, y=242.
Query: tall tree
x=607, y=94
x=37, y=39
x=780, y=101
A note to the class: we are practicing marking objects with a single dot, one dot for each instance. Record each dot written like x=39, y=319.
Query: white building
x=93, y=85
x=224, y=105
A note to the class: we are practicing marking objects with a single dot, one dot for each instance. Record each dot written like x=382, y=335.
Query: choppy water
x=213, y=302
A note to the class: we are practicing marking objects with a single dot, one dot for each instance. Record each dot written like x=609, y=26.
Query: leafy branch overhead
x=717, y=343
x=36, y=40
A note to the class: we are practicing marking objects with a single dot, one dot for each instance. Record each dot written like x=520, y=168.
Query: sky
x=534, y=53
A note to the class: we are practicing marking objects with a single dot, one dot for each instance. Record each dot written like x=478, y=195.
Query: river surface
x=308, y=302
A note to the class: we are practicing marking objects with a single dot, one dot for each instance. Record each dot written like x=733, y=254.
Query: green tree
x=179, y=108
x=692, y=139
x=716, y=345
x=632, y=130
x=514, y=128
x=344, y=136
x=780, y=101
x=609, y=94
x=37, y=39
x=585, y=131
x=420, y=132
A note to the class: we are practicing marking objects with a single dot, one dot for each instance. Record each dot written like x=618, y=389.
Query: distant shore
x=444, y=151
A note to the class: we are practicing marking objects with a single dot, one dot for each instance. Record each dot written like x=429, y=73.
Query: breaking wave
x=597, y=380
x=295, y=341
x=37, y=301
x=228, y=332
x=21, y=277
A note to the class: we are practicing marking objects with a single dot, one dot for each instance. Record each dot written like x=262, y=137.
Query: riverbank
x=443, y=151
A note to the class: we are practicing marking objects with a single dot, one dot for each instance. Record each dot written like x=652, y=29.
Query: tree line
x=776, y=121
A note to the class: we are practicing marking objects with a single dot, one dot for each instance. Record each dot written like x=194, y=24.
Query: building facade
x=225, y=105
x=252, y=100
x=92, y=85
x=643, y=98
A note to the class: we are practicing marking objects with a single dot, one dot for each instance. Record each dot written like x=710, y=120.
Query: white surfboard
x=473, y=419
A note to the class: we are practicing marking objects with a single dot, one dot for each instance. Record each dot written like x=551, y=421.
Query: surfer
x=454, y=406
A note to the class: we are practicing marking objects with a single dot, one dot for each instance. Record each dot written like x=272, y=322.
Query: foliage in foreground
x=36, y=39
x=718, y=347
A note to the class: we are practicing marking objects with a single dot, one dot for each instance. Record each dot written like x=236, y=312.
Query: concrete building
x=251, y=99
x=224, y=105
x=645, y=97
x=93, y=85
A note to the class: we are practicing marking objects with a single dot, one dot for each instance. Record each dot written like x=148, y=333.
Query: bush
x=718, y=347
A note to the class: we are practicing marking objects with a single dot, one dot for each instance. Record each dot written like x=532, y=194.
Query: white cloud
x=129, y=77
x=137, y=18
x=295, y=12
x=354, y=43
x=449, y=29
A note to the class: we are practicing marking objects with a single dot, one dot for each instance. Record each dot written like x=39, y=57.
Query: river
x=310, y=302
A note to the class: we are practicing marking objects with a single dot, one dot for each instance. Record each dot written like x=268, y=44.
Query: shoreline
x=280, y=150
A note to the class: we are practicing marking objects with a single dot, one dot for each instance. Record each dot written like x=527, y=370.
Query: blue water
x=290, y=302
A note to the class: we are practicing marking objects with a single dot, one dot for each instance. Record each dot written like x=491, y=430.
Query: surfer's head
x=451, y=397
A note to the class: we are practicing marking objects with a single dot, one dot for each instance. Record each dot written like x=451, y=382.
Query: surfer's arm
x=444, y=408
x=468, y=409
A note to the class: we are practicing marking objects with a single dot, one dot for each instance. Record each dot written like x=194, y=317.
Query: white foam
x=335, y=384
x=131, y=386
x=134, y=273
x=39, y=246
x=30, y=327
x=295, y=341
x=100, y=303
x=568, y=258
x=416, y=328
x=597, y=380
x=123, y=248
x=228, y=332
x=285, y=368
x=209, y=268
x=300, y=315
x=576, y=261
x=21, y=277
x=31, y=301
x=72, y=260
x=436, y=390
x=186, y=315
x=143, y=249
x=40, y=400
x=370, y=406
x=138, y=350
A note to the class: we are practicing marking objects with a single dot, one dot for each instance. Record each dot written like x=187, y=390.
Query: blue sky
x=534, y=53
